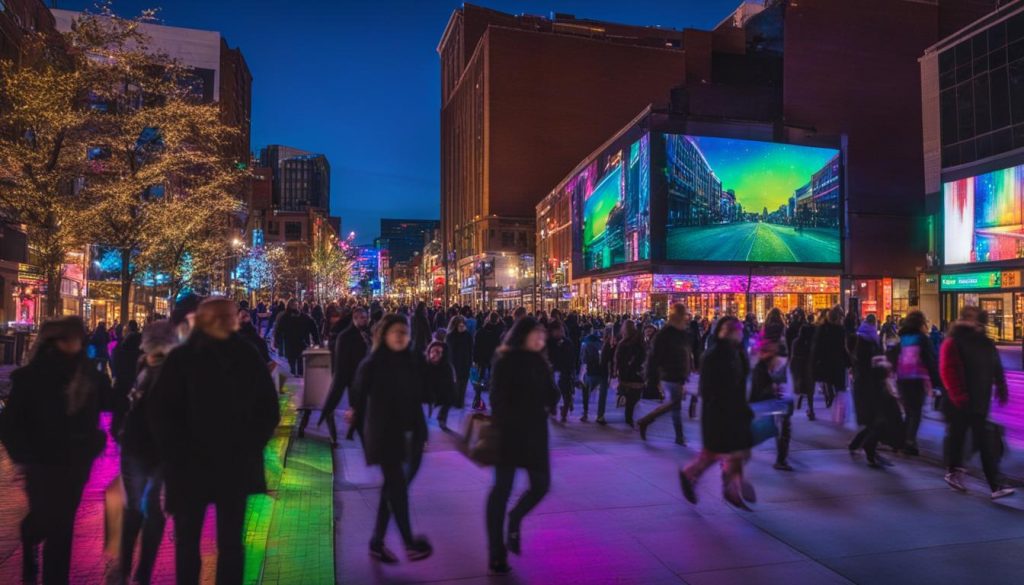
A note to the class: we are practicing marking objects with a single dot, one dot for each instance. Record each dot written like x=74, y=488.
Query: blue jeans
x=599, y=383
x=675, y=391
x=142, y=485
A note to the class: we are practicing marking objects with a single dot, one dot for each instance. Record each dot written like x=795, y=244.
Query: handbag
x=763, y=428
x=480, y=440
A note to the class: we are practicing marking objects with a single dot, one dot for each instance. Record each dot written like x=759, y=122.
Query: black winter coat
x=800, y=360
x=125, y=361
x=248, y=332
x=671, y=356
x=386, y=395
x=725, y=414
x=293, y=334
x=440, y=384
x=137, y=439
x=36, y=427
x=460, y=352
x=629, y=361
x=562, y=355
x=523, y=392
x=422, y=333
x=869, y=392
x=829, y=358
x=488, y=338
x=214, y=409
x=982, y=368
x=350, y=350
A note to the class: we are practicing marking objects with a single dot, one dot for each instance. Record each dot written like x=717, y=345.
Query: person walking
x=351, y=347
x=460, y=351
x=441, y=385
x=386, y=405
x=293, y=334
x=422, y=331
x=99, y=346
x=917, y=372
x=829, y=357
x=140, y=461
x=669, y=366
x=214, y=408
x=877, y=412
x=124, y=364
x=597, y=363
x=725, y=416
x=486, y=342
x=768, y=383
x=800, y=364
x=629, y=363
x=51, y=431
x=248, y=332
x=523, y=392
x=562, y=355
x=971, y=369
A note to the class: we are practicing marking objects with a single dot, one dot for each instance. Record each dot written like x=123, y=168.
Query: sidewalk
x=615, y=515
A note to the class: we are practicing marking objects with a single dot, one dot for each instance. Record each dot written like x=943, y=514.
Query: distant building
x=302, y=179
x=404, y=238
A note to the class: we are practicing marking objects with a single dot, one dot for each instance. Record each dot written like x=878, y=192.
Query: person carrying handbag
x=523, y=393
x=917, y=372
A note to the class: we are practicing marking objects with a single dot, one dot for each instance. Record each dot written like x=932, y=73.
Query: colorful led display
x=983, y=217
x=738, y=283
x=613, y=196
x=731, y=200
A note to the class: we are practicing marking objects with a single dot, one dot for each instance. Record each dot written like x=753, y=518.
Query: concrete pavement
x=615, y=515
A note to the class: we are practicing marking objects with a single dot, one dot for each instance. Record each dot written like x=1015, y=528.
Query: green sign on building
x=972, y=280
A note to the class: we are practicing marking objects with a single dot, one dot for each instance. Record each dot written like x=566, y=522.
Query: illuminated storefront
x=883, y=297
x=711, y=295
x=997, y=292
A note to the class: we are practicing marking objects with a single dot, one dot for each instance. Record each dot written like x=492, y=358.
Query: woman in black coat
x=630, y=355
x=422, y=331
x=51, y=429
x=386, y=401
x=871, y=400
x=440, y=382
x=800, y=367
x=460, y=351
x=523, y=393
x=725, y=415
x=829, y=357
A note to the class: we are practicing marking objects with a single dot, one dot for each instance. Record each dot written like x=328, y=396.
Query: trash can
x=316, y=377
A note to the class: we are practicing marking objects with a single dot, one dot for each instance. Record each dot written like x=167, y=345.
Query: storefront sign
x=734, y=283
x=973, y=280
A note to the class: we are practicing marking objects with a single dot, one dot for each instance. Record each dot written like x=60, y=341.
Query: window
x=272, y=228
x=292, y=231
x=508, y=239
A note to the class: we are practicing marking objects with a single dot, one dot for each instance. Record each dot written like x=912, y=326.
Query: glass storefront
x=998, y=293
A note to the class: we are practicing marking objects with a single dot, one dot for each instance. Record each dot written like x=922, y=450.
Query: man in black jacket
x=214, y=408
x=293, y=333
x=488, y=338
x=350, y=349
x=564, y=362
x=669, y=365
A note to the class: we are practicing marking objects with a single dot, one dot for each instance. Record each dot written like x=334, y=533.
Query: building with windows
x=972, y=92
x=404, y=238
x=301, y=179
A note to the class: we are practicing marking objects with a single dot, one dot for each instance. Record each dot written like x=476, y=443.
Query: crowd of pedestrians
x=193, y=405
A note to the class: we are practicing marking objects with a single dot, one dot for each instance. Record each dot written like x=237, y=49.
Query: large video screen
x=983, y=217
x=613, y=196
x=735, y=200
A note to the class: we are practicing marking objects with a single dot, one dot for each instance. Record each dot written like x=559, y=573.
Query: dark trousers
x=394, y=496
x=497, y=502
x=632, y=395
x=54, y=492
x=868, y=439
x=188, y=529
x=295, y=365
x=783, y=439
x=958, y=423
x=912, y=394
x=142, y=513
x=599, y=383
x=567, y=389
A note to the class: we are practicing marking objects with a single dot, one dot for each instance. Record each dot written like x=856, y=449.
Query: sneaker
x=642, y=427
x=955, y=480
x=584, y=418
x=418, y=549
x=687, y=486
x=513, y=542
x=382, y=553
x=1003, y=492
x=782, y=466
x=498, y=568
x=601, y=421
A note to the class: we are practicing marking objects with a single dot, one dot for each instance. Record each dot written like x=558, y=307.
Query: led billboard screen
x=731, y=200
x=613, y=196
x=983, y=217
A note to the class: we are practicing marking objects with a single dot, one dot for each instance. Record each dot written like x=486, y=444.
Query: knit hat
x=159, y=337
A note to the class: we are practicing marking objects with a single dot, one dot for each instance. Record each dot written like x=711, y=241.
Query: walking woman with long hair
x=630, y=356
x=386, y=397
x=523, y=393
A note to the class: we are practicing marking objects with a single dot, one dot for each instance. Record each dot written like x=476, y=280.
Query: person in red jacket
x=970, y=368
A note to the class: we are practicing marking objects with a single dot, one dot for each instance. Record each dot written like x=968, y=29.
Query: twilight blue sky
x=359, y=81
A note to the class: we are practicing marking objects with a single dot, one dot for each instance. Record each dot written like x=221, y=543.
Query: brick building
x=523, y=99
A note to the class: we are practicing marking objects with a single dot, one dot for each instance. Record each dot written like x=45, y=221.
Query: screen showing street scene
x=613, y=193
x=735, y=200
x=983, y=217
